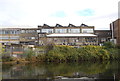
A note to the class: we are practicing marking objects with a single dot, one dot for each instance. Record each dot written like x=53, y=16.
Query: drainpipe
x=112, y=31
x=112, y=40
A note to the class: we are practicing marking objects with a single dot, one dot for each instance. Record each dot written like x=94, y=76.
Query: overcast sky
x=31, y=13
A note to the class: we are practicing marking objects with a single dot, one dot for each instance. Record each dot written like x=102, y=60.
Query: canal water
x=54, y=71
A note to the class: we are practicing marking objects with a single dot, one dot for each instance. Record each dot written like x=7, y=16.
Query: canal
x=65, y=71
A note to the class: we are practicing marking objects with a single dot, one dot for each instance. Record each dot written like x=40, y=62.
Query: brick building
x=67, y=35
x=115, y=28
x=103, y=35
x=9, y=35
x=58, y=34
x=29, y=36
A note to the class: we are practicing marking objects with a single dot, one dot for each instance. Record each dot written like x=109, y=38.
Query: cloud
x=37, y=12
x=119, y=9
x=109, y=16
x=59, y=14
x=86, y=12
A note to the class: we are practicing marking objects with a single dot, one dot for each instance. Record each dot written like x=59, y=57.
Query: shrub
x=109, y=45
x=70, y=54
x=93, y=53
x=55, y=55
x=41, y=57
x=7, y=58
x=29, y=54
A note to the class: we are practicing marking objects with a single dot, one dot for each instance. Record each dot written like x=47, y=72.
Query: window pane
x=14, y=37
x=0, y=31
x=60, y=30
x=22, y=31
x=38, y=31
x=74, y=30
x=4, y=37
x=7, y=32
x=87, y=30
x=47, y=30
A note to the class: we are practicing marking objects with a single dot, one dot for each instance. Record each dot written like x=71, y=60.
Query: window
x=47, y=31
x=38, y=31
x=14, y=32
x=87, y=30
x=4, y=37
x=7, y=32
x=17, y=32
x=14, y=37
x=60, y=30
x=1, y=32
x=74, y=30
x=30, y=31
x=4, y=31
x=103, y=39
x=22, y=31
x=32, y=37
x=41, y=35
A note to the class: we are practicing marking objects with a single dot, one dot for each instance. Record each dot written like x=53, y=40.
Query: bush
x=109, y=45
x=70, y=54
x=41, y=57
x=7, y=58
x=55, y=55
x=112, y=49
x=93, y=53
x=29, y=54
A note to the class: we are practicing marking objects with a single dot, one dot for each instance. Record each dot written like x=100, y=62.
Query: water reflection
x=85, y=70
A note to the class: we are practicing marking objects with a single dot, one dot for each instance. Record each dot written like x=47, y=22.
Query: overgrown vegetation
x=113, y=50
x=70, y=54
x=63, y=53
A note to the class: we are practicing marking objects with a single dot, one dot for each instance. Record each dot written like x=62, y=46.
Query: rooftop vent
x=83, y=25
x=45, y=25
x=71, y=25
x=58, y=25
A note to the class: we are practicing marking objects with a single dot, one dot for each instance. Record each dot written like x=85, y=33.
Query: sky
x=31, y=13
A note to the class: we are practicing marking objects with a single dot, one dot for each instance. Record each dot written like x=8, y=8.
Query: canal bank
x=63, y=53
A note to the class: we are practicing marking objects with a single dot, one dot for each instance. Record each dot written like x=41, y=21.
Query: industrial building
x=58, y=34
x=115, y=29
x=67, y=35
x=16, y=39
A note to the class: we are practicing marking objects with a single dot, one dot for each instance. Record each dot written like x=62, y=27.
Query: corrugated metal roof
x=71, y=35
